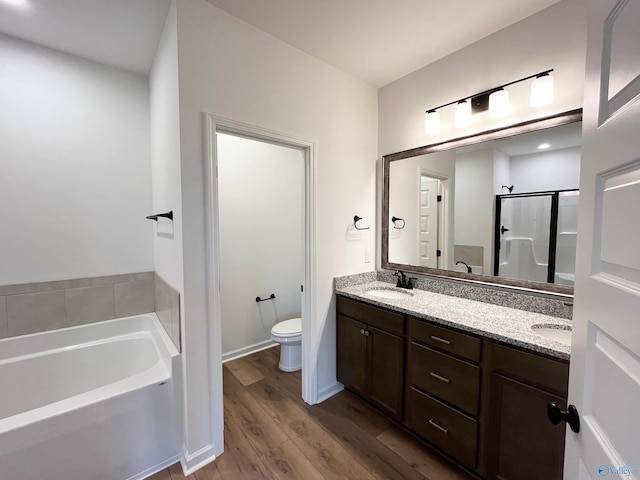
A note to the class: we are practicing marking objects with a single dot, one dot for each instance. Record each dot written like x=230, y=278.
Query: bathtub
x=94, y=402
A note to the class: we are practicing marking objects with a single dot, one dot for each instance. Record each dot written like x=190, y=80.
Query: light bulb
x=542, y=90
x=462, y=114
x=499, y=103
x=431, y=122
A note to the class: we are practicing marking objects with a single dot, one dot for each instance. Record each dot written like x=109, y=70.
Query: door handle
x=502, y=229
x=570, y=415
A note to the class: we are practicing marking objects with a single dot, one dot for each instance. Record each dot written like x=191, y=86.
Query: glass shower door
x=523, y=236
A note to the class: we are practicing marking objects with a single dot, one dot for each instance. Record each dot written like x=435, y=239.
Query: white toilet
x=288, y=334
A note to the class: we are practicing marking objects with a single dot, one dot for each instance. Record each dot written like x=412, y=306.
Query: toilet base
x=290, y=357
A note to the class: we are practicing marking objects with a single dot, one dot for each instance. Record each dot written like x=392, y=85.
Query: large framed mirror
x=499, y=207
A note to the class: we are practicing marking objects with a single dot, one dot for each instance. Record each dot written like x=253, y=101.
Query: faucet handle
x=410, y=282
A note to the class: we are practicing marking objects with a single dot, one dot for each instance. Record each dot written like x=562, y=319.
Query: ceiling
x=121, y=33
x=377, y=41
x=380, y=41
x=562, y=136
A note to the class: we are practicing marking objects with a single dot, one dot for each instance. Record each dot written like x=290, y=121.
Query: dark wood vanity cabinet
x=481, y=402
x=370, y=348
x=443, y=388
x=521, y=442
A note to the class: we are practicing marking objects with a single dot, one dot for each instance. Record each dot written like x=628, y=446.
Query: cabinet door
x=352, y=354
x=523, y=444
x=386, y=371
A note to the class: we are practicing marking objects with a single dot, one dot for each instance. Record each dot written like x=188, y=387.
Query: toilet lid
x=292, y=326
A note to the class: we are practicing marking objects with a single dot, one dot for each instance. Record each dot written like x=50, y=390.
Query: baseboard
x=243, y=352
x=329, y=392
x=156, y=468
x=195, y=461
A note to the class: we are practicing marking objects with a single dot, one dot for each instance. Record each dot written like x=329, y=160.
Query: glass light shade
x=462, y=114
x=431, y=123
x=499, y=103
x=542, y=91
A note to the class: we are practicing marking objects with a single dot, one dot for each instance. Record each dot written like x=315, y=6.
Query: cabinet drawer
x=452, y=380
x=449, y=430
x=534, y=369
x=445, y=339
x=376, y=317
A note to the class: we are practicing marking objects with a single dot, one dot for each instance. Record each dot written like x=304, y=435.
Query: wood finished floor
x=270, y=433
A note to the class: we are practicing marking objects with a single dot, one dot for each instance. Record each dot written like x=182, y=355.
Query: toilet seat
x=287, y=328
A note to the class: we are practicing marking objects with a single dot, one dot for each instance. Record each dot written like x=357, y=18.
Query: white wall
x=232, y=70
x=554, y=38
x=261, y=195
x=75, y=181
x=474, y=210
x=538, y=172
x=165, y=156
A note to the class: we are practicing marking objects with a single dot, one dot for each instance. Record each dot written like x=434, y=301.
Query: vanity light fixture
x=431, y=122
x=542, y=90
x=496, y=100
x=462, y=114
x=499, y=103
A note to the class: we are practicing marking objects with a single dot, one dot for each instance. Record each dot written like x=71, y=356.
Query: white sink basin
x=389, y=293
x=557, y=333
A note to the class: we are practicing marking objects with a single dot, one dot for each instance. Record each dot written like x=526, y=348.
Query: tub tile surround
x=37, y=307
x=500, y=322
x=35, y=312
x=134, y=298
x=167, y=301
x=4, y=327
x=90, y=304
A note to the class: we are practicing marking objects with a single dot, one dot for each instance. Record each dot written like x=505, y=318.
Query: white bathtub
x=94, y=402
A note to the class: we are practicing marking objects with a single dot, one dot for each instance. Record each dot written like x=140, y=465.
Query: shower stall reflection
x=535, y=236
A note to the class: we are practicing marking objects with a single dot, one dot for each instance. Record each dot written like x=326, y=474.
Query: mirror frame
x=516, y=129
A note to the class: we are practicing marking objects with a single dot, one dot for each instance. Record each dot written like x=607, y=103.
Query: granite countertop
x=505, y=324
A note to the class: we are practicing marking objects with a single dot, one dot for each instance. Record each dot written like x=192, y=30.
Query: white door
x=428, y=230
x=605, y=355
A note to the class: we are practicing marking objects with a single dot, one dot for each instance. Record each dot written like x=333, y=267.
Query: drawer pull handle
x=435, y=425
x=441, y=340
x=440, y=377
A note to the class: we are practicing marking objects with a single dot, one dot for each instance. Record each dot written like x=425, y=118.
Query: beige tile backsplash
x=4, y=327
x=36, y=307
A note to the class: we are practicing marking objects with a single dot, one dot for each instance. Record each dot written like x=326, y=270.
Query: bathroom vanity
x=471, y=379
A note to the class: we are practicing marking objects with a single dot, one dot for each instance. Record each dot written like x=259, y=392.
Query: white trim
x=156, y=468
x=195, y=461
x=244, y=351
x=309, y=335
x=329, y=391
x=212, y=251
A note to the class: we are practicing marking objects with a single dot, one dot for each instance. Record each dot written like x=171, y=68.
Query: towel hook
x=398, y=219
x=168, y=215
x=356, y=219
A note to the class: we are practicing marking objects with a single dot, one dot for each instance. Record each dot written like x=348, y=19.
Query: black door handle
x=570, y=415
x=502, y=229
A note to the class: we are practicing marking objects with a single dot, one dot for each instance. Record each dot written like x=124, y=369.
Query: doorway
x=261, y=205
x=215, y=125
